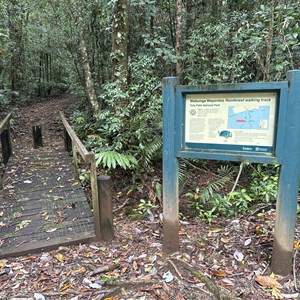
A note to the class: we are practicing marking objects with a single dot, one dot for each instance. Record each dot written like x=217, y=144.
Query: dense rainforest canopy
x=113, y=55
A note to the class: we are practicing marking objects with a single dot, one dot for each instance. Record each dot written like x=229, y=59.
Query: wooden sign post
x=247, y=122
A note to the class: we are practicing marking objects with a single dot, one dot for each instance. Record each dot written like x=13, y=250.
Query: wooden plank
x=47, y=245
x=64, y=210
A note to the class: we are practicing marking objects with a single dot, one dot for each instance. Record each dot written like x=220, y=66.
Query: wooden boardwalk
x=42, y=206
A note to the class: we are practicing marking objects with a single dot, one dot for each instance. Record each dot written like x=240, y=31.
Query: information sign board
x=231, y=121
x=245, y=122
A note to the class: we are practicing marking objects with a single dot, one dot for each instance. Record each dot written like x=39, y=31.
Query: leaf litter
x=229, y=257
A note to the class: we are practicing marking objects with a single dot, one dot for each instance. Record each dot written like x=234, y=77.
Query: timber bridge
x=42, y=203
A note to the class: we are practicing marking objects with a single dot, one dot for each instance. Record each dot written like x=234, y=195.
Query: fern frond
x=151, y=150
x=112, y=159
x=217, y=184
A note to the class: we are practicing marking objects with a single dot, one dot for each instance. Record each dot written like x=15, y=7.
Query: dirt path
x=44, y=114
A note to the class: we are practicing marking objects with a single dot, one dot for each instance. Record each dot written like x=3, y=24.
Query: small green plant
x=239, y=201
x=145, y=209
x=264, y=183
x=208, y=202
x=84, y=176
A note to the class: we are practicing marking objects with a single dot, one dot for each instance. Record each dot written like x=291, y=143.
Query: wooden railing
x=6, y=143
x=74, y=145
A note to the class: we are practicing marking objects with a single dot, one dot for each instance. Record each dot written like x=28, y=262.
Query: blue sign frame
x=273, y=155
x=285, y=151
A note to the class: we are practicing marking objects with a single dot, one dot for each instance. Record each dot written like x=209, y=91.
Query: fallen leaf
x=247, y=242
x=227, y=282
x=148, y=268
x=51, y=230
x=218, y=273
x=3, y=262
x=95, y=286
x=135, y=265
x=297, y=244
x=94, y=247
x=276, y=294
x=60, y=257
x=22, y=224
x=268, y=281
x=67, y=286
x=168, y=276
x=226, y=240
x=291, y=296
x=216, y=230
x=80, y=270
x=38, y=296
x=239, y=256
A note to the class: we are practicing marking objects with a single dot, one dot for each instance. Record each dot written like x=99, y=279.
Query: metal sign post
x=251, y=122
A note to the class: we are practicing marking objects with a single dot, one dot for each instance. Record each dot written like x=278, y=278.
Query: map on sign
x=249, y=117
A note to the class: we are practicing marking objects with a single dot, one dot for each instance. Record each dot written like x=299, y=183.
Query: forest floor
x=228, y=259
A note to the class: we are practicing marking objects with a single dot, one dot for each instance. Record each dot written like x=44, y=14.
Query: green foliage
x=211, y=202
x=127, y=133
x=145, y=209
x=112, y=159
x=207, y=62
x=84, y=176
x=264, y=183
x=208, y=202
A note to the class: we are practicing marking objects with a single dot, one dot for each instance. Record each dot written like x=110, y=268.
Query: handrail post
x=6, y=143
x=68, y=141
x=95, y=198
x=37, y=136
x=105, y=205
x=75, y=162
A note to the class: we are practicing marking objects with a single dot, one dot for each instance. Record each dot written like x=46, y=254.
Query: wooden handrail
x=5, y=123
x=85, y=154
x=89, y=158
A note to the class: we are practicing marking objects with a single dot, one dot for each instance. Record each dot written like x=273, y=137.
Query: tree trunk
x=178, y=37
x=120, y=32
x=16, y=39
x=86, y=65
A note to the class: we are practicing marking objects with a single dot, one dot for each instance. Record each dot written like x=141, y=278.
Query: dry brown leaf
x=276, y=294
x=226, y=240
x=124, y=269
x=67, y=286
x=227, y=282
x=60, y=257
x=80, y=270
x=268, y=281
x=135, y=265
x=218, y=273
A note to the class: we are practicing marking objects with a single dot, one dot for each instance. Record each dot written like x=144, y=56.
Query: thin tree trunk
x=16, y=39
x=179, y=37
x=267, y=75
x=86, y=65
x=120, y=33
